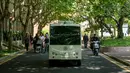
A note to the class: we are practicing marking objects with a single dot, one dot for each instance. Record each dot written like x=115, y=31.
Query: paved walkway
x=120, y=53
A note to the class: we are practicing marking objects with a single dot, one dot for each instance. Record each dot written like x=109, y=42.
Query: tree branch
x=114, y=19
x=1, y=7
x=20, y=18
x=27, y=17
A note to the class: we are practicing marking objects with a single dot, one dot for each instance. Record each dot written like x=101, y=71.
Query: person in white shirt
x=42, y=37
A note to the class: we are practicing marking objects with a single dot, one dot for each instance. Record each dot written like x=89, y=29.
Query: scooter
x=39, y=46
x=96, y=47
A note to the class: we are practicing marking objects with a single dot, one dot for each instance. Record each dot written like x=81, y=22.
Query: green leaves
x=116, y=42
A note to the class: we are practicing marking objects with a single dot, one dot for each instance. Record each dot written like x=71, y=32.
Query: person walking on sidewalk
x=85, y=40
x=31, y=41
x=27, y=41
x=46, y=44
x=35, y=41
x=42, y=37
x=47, y=35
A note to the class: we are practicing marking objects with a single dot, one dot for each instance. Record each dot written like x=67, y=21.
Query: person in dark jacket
x=46, y=44
x=85, y=40
x=31, y=40
x=26, y=41
x=94, y=38
x=35, y=41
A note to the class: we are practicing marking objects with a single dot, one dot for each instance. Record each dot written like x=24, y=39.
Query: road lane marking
x=126, y=68
x=11, y=57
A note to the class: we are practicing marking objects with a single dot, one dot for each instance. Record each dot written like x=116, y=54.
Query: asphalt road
x=38, y=63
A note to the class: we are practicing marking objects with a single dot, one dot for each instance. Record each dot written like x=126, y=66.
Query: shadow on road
x=38, y=63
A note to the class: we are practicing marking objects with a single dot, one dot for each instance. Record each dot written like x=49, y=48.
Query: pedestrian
x=46, y=44
x=35, y=41
x=26, y=41
x=47, y=35
x=85, y=40
x=42, y=37
x=31, y=40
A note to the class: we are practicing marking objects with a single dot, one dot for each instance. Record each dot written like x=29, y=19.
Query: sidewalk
x=11, y=56
x=121, y=54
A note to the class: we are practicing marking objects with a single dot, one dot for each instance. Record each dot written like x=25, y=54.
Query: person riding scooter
x=95, y=44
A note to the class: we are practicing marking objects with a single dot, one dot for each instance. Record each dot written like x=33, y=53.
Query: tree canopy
x=99, y=13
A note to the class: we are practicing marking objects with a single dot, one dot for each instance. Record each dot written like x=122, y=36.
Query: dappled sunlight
x=128, y=50
x=22, y=20
x=38, y=63
x=127, y=60
x=27, y=56
x=125, y=56
x=76, y=67
x=93, y=68
x=21, y=69
x=82, y=49
x=123, y=71
x=27, y=69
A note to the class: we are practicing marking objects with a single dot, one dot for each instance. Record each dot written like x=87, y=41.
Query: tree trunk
x=40, y=28
x=0, y=35
x=32, y=26
x=32, y=29
x=24, y=33
x=91, y=33
x=119, y=28
x=10, y=36
x=101, y=21
x=109, y=29
x=101, y=31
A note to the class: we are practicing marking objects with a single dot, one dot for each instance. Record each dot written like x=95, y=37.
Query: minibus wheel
x=51, y=63
x=79, y=63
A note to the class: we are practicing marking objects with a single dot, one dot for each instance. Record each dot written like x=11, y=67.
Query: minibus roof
x=64, y=25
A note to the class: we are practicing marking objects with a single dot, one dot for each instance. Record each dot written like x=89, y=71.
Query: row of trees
x=31, y=12
x=99, y=13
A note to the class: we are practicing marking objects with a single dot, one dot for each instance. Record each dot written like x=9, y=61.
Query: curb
x=117, y=59
x=10, y=57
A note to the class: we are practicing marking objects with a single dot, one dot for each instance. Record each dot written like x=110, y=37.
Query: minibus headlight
x=74, y=53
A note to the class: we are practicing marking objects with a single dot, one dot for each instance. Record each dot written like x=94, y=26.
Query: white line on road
x=126, y=68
